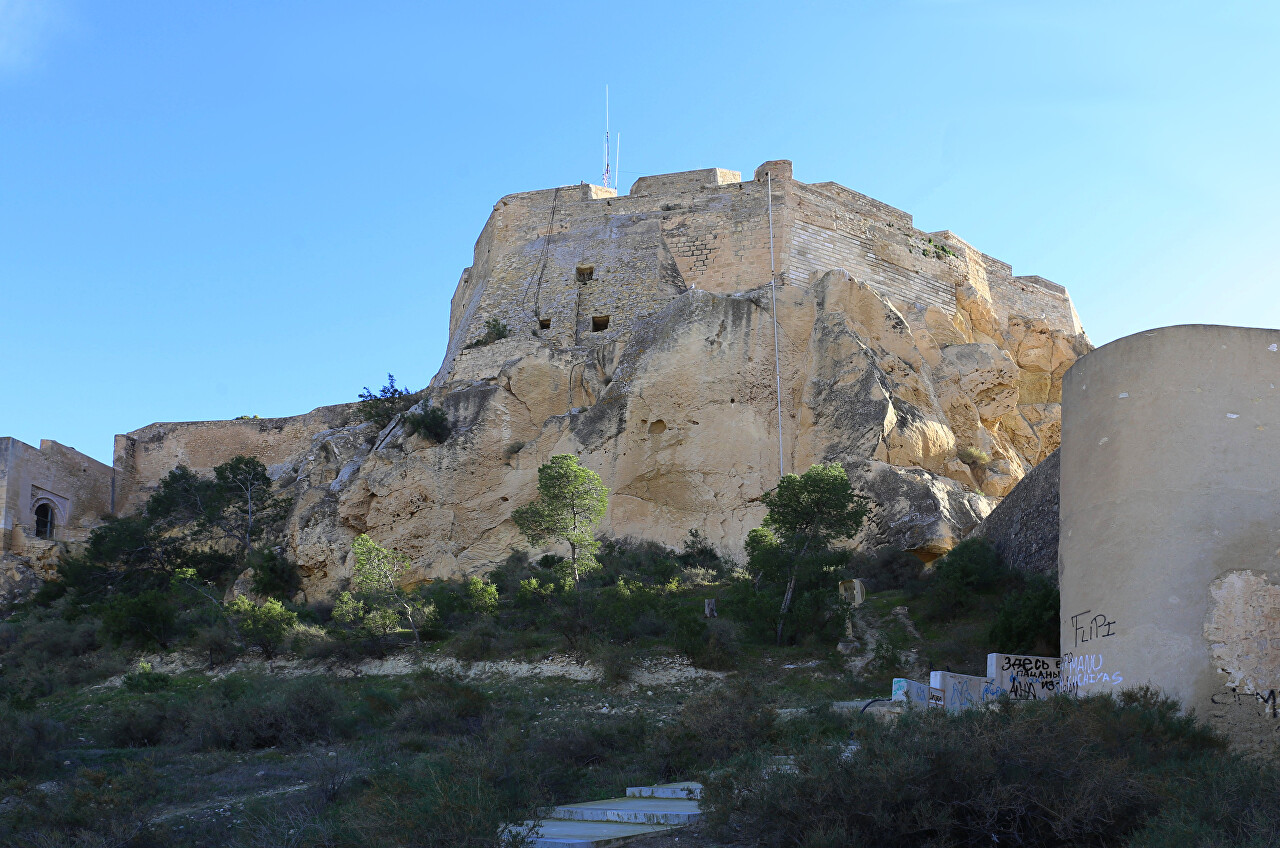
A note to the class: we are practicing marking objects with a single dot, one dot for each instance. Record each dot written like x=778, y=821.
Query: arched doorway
x=44, y=521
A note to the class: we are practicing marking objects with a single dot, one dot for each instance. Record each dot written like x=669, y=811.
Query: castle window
x=44, y=521
x=599, y=322
x=586, y=272
x=544, y=323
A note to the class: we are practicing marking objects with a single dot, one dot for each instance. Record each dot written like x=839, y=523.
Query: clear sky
x=249, y=207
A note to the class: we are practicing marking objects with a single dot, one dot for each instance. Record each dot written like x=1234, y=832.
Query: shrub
x=976, y=778
x=274, y=576
x=382, y=407
x=431, y=422
x=436, y=705
x=145, y=620
x=970, y=568
x=145, y=679
x=463, y=796
x=483, y=640
x=26, y=742
x=482, y=597
x=494, y=330
x=973, y=456
x=890, y=569
x=721, y=646
x=263, y=625
x=712, y=728
x=1028, y=620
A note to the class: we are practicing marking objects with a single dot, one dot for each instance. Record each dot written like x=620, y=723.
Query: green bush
x=970, y=569
x=237, y=713
x=432, y=422
x=974, y=456
x=494, y=330
x=27, y=742
x=980, y=778
x=145, y=679
x=274, y=576
x=888, y=570
x=711, y=729
x=387, y=404
x=145, y=620
x=1028, y=620
x=264, y=625
x=482, y=596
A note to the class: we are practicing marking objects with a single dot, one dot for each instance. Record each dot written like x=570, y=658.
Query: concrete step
x=560, y=833
x=664, y=811
x=687, y=790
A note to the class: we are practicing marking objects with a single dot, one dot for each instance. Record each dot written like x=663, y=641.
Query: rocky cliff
x=641, y=337
x=681, y=423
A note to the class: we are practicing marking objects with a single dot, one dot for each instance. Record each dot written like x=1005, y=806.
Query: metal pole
x=773, y=289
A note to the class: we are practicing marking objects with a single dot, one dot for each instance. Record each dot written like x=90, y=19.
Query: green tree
x=235, y=506
x=376, y=578
x=386, y=404
x=806, y=514
x=571, y=501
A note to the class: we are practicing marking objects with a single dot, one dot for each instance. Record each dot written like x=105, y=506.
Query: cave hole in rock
x=657, y=427
x=544, y=323
x=599, y=322
x=44, y=521
x=586, y=272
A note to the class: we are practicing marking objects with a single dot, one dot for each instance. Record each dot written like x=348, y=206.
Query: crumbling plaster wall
x=1170, y=522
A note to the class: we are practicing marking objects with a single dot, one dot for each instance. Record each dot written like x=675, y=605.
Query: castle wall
x=144, y=456
x=1169, y=551
x=78, y=488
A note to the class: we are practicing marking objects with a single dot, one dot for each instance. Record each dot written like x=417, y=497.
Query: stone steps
x=601, y=824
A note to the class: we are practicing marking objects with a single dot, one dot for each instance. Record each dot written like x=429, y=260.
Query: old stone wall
x=76, y=488
x=144, y=456
x=1170, y=522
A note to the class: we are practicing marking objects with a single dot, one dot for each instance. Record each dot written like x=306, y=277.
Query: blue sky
x=217, y=209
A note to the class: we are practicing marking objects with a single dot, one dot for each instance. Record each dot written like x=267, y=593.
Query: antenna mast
x=605, y=179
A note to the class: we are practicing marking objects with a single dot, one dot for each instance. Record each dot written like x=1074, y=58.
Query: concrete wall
x=1170, y=522
x=144, y=456
x=77, y=487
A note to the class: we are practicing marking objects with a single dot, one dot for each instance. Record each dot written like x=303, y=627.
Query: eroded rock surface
x=681, y=423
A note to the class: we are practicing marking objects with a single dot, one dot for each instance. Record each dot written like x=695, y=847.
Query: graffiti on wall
x=1086, y=670
x=1027, y=678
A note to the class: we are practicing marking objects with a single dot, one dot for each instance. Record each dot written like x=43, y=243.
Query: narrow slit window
x=599, y=323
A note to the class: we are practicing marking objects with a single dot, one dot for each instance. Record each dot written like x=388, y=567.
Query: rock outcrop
x=640, y=336
x=681, y=424
x=1024, y=527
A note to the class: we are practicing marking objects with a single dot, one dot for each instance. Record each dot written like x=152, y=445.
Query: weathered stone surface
x=1024, y=527
x=641, y=338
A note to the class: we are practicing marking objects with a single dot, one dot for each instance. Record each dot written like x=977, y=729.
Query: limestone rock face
x=680, y=419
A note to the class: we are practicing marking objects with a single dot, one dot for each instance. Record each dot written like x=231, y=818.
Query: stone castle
x=641, y=337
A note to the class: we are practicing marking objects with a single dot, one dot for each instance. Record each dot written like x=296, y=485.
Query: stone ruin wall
x=144, y=456
x=710, y=230
x=78, y=487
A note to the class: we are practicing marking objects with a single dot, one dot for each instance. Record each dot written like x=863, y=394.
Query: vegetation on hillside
x=420, y=758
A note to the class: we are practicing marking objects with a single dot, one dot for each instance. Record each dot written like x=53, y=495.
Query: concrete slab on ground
x=685, y=790
x=559, y=833
x=666, y=811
